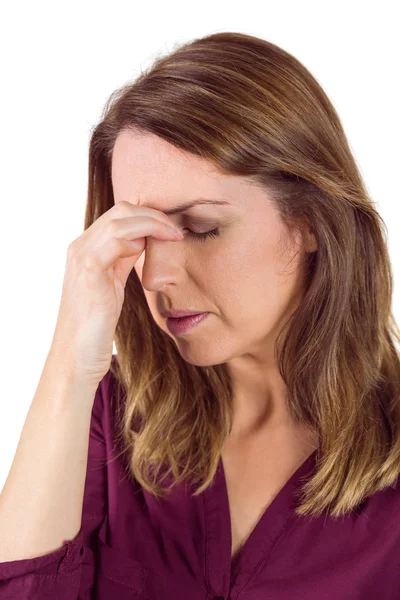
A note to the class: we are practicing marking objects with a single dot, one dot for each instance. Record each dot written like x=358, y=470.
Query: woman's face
x=249, y=277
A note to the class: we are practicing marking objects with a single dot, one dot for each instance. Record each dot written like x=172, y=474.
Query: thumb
x=124, y=265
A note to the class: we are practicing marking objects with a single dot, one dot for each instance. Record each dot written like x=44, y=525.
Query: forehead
x=148, y=169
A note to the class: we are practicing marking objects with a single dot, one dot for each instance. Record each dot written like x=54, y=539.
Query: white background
x=59, y=64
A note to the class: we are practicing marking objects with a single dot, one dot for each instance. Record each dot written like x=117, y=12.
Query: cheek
x=231, y=276
x=249, y=281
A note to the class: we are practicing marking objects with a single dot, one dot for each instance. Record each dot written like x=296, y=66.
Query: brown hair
x=255, y=111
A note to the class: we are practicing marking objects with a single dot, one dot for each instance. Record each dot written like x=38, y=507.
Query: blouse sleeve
x=68, y=573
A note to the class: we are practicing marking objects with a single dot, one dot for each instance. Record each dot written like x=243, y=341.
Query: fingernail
x=177, y=232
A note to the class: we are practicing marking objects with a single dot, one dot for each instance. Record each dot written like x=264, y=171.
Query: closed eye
x=203, y=236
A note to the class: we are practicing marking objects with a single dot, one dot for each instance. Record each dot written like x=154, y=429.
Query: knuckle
x=71, y=248
x=90, y=262
x=122, y=207
x=115, y=243
x=112, y=226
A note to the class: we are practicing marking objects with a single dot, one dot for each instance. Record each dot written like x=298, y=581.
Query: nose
x=160, y=263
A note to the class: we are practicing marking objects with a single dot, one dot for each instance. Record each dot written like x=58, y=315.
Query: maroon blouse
x=133, y=546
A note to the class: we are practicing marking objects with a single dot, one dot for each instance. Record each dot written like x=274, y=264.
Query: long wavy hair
x=255, y=111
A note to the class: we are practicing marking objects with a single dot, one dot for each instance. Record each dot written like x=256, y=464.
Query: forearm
x=41, y=502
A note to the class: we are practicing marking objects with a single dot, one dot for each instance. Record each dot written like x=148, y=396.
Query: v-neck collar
x=222, y=573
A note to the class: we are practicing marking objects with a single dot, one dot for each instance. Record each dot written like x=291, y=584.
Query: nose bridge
x=161, y=261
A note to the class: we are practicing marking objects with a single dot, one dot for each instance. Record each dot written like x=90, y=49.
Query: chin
x=202, y=354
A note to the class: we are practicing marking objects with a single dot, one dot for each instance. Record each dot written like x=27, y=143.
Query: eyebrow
x=185, y=206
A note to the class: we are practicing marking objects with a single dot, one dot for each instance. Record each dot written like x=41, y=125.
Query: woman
x=250, y=450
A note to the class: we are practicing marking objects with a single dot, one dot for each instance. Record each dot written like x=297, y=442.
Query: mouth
x=177, y=314
x=181, y=325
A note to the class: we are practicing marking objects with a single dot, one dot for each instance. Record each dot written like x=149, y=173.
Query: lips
x=181, y=325
x=177, y=314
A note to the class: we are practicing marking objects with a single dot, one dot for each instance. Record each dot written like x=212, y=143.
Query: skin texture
x=249, y=278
